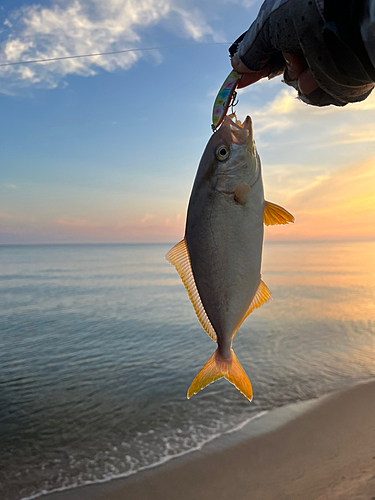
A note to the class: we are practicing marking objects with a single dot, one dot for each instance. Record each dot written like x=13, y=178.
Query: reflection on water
x=99, y=343
x=325, y=280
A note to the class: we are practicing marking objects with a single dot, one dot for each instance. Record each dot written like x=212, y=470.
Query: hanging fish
x=219, y=259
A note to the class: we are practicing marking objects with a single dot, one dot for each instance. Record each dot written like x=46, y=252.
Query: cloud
x=147, y=220
x=317, y=164
x=84, y=27
x=299, y=143
x=339, y=205
x=348, y=135
x=175, y=223
x=151, y=227
x=351, y=187
x=9, y=186
x=286, y=112
x=246, y=4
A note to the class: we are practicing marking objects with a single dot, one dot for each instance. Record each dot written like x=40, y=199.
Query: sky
x=105, y=149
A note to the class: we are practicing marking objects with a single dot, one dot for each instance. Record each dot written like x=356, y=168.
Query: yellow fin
x=218, y=367
x=262, y=295
x=274, y=214
x=179, y=257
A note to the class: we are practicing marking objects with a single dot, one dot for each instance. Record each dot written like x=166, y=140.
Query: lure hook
x=234, y=101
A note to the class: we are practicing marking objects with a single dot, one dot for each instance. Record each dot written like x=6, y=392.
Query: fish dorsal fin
x=179, y=257
x=274, y=214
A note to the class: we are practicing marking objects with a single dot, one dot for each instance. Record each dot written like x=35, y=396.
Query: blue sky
x=106, y=149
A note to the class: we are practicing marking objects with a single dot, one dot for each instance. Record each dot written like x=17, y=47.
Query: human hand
x=290, y=39
x=295, y=67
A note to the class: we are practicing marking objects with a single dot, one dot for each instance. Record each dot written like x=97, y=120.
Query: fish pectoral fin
x=241, y=192
x=179, y=257
x=218, y=367
x=274, y=214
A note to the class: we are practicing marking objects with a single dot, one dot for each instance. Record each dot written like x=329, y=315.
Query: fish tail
x=218, y=367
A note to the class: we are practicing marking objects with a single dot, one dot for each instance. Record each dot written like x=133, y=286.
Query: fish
x=219, y=258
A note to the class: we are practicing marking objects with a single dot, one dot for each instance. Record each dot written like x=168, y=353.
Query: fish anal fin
x=262, y=295
x=218, y=367
x=274, y=214
x=179, y=257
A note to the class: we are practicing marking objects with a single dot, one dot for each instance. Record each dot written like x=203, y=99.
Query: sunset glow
x=84, y=160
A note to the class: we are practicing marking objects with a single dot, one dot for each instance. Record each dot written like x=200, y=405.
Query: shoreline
x=268, y=420
x=317, y=449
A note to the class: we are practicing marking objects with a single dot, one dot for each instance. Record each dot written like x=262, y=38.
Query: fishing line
x=37, y=61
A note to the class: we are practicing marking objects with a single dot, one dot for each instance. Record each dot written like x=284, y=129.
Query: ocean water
x=99, y=344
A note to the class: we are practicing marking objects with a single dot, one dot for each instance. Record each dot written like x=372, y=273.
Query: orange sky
x=319, y=163
x=340, y=205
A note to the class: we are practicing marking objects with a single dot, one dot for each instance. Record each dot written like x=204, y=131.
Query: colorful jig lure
x=224, y=99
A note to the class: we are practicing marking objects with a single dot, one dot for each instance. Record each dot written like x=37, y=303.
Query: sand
x=322, y=450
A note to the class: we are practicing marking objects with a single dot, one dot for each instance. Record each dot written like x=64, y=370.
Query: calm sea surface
x=99, y=344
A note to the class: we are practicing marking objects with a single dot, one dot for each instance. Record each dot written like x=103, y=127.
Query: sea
x=99, y=344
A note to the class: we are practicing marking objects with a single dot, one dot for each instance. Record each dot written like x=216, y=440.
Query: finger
x=239, y=66
x=296, y=68
x=250, y=78
x=295, y=65
x=307, y=82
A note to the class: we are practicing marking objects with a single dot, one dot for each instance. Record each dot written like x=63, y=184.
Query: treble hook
x=234, y=102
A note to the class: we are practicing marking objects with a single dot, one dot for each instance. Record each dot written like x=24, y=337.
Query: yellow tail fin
x=218, y=367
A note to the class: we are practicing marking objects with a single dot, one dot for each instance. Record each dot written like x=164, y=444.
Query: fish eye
x=222, y=152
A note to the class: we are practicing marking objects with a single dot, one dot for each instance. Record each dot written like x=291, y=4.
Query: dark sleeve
x=368, y=29
x=342, y=33
x=327, y=34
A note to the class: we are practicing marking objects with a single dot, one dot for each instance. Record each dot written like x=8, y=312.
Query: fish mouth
x=241, y=133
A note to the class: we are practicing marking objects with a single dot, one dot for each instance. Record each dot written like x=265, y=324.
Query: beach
x=321, y=450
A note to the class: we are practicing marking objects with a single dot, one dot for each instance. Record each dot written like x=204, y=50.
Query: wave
x=161, y=461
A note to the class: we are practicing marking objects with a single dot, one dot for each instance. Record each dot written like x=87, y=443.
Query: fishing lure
x=225, y=97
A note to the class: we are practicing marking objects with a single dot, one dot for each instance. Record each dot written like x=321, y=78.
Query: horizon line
x=364, y=240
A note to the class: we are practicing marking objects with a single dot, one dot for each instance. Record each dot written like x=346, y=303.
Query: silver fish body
x=225, y=237
x=219, y=259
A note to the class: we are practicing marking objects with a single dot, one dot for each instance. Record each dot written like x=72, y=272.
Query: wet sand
x=323, y=450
